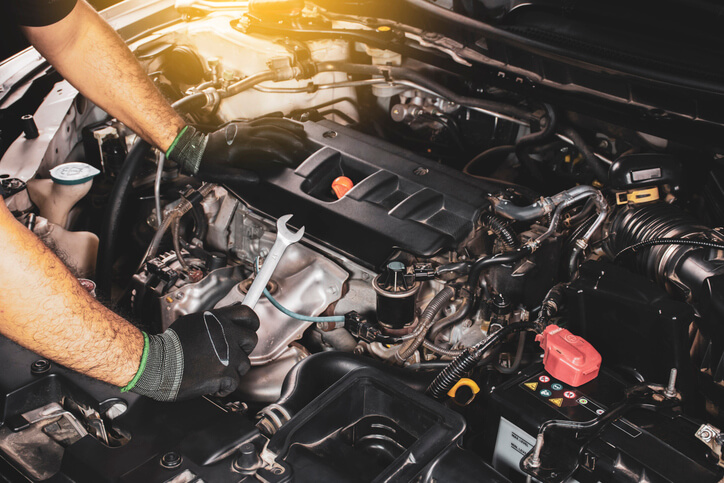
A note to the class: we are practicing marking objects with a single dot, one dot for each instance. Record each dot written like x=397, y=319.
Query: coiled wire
x=466, y=361
x=501, y=229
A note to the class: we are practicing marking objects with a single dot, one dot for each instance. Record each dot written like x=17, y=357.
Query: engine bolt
x=171, y=460
x=41, y=366
x=248, y=460
x=670, y=391
x=534, y=460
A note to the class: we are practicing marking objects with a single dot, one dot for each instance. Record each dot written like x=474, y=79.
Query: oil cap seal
x=73, y=173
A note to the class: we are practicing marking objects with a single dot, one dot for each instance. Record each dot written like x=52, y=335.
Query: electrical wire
x=304, y=318
x=294, y=315
x=670, y=241
x=157, y=188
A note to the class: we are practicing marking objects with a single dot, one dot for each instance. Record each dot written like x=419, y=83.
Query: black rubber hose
x=490, y=261
x=312, y=376
x=201, y=223
x=503, y=150
x=551, y=305
x=454, y=268
x=403, y=73
x=118, y=200
x=600, y=170
x=501, y=229
x=462, y=312
x=525, y=143
x=466, y=361
x=191, y=103
x=516, y=359
x=581, y=215
x=437, y=303
x=110, y=231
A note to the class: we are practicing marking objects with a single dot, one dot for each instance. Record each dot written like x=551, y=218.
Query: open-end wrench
x=285, y=237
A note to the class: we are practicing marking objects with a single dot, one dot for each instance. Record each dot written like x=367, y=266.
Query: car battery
x=638, y=443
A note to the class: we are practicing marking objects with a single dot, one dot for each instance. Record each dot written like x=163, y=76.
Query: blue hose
x=294, y=315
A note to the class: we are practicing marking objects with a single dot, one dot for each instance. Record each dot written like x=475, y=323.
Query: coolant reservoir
x=55, y=197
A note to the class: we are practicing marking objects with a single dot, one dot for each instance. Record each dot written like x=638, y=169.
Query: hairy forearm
x=96, y=61
x=46, y=310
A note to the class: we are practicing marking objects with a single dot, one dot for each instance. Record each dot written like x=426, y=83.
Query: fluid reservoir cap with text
x=73, y=173
x=341, y=186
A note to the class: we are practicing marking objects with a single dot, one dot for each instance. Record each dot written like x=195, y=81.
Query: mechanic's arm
x=96, y=61
x=45, y=309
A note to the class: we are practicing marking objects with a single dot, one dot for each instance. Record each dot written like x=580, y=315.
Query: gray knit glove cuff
x=162, y=374
x=187, y=149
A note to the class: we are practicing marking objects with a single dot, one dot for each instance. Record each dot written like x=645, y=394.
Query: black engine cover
x=399, y=199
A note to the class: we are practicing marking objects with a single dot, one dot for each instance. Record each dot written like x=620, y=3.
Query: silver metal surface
x=307, y=283
x=194, y=297
x=670, y=390
x=264, y=383
x=285, y=238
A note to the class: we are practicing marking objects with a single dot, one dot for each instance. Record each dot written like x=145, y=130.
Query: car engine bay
x=497, y=280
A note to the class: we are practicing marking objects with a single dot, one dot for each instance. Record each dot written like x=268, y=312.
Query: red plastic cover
x=567, y=357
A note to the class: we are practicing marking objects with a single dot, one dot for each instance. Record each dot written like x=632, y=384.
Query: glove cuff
x=161, y=376
x=141, y=365
x=187, y=149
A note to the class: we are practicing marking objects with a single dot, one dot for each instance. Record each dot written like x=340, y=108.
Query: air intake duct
x=671, y=247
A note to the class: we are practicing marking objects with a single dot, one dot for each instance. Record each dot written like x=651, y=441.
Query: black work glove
x=202, y=353
x=251, y=145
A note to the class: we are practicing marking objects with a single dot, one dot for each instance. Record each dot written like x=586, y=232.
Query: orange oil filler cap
x=341, y=186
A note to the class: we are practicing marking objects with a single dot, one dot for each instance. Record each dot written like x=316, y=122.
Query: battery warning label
x=559, y=395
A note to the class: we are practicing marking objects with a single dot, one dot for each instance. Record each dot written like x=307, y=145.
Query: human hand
x=251, y=145
x=202, y=353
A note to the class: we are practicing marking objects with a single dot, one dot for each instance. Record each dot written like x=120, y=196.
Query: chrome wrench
x=285, y=237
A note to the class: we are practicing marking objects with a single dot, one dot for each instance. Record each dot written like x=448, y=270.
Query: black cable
x=671, y=241
x=462, y=312
x=524, y=144
x=600, y=170
x=117, y=203
x=490, y=261
x=466, y=361
x=201, y=223
x=506, y=150
x=501, y=229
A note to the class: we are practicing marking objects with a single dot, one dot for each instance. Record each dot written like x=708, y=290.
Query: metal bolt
x=171, y=460
x=248, y=460
x=41, y=366
x=534, y=460
x=670, y=391
x=330, y=134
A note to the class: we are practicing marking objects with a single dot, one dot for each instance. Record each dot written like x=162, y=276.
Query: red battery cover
x=567, y=357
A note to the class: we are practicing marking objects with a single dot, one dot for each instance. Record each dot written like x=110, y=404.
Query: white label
x=511, y=445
